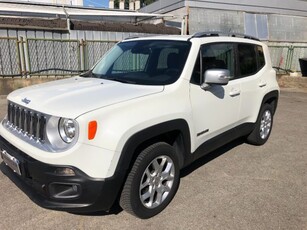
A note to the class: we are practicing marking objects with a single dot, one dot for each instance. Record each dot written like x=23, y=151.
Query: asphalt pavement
x=239, y=186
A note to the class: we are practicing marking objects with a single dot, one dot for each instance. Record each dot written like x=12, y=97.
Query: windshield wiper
x=101, y=76
x=120, y=80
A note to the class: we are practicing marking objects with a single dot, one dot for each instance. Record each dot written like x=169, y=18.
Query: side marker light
x=92, y=129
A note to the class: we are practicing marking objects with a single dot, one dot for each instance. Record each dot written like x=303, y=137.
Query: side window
x=247, y=59
x=218, y=56
x=261, y=59
x=241, y=59
x=214, y=56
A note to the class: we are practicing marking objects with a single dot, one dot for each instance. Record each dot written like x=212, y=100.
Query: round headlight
x=67, y=129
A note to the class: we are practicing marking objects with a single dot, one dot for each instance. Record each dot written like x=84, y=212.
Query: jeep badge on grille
x=26, y=101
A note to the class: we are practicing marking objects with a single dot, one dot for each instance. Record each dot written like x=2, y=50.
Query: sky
x=96, y=3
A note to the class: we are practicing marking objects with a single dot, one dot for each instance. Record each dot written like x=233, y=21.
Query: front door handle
x=235, y=92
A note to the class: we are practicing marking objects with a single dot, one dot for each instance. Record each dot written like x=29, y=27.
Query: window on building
x=256, y=25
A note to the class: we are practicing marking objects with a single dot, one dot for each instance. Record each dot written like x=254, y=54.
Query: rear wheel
x=263, y=126
x=152, y=182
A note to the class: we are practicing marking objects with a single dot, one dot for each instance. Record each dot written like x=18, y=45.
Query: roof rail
x=218, y=33
x=143, y=36
x=131, y=37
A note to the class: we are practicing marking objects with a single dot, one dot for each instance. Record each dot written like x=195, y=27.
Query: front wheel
x=152, y=182
x=263, y=126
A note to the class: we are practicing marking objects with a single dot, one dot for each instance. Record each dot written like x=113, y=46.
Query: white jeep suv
x=123, y=130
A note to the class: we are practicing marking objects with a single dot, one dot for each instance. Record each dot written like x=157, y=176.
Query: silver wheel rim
x=157, y=181
x=265, y=125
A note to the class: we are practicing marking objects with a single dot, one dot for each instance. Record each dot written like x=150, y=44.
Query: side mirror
x=215, y=77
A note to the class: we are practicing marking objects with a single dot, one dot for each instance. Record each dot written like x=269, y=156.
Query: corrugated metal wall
x=74, y=34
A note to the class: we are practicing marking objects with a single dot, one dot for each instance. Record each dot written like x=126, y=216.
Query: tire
x=263, y=126
x=152, y=182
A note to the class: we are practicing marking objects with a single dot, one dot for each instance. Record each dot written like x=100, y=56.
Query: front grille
x=26, y=121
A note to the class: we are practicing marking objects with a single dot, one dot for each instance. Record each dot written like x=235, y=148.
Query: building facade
x=282, y=24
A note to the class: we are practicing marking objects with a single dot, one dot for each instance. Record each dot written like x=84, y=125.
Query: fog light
x=65, y=172
x=64, y=190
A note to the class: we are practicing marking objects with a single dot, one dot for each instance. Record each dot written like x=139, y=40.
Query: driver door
x=216, y=108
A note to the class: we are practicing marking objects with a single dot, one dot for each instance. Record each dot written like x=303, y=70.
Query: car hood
x=77, y=95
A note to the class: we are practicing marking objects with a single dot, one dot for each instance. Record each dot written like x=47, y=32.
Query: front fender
x=130, y=147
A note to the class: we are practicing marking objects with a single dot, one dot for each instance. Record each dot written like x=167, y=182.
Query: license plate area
x=11, y=161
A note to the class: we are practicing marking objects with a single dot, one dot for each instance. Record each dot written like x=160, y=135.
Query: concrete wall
x=7, y=85
x=287, y=28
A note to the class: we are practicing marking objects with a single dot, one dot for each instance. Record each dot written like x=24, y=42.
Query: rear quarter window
x=261, y=59
x=250, y=59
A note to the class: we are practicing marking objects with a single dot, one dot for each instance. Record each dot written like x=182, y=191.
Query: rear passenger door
x=251, y=72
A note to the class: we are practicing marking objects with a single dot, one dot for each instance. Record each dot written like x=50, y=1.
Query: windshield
x=146, y=62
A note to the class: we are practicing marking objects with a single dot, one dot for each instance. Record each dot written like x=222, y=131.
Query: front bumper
x=49, y=189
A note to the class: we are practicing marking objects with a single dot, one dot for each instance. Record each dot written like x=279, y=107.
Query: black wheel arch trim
x=135, y=141
x=271, y=97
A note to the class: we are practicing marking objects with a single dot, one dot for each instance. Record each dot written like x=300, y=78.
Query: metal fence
x=45, y=57
x=59, y=57
x=53, y=57
x=298, y=52
x=286, y=57
x=9, y=57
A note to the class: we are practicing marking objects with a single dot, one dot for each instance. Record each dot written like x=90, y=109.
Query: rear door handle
x=235, y=92
x=262, y=84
